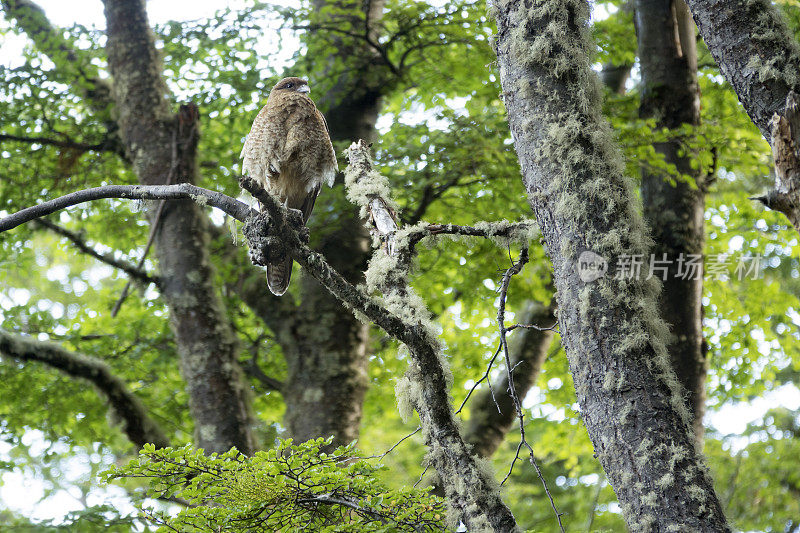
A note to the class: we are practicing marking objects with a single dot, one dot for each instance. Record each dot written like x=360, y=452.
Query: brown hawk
x=289, y=152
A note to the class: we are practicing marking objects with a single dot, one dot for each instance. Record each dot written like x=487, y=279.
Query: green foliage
x=288, y=488
x=445, y=146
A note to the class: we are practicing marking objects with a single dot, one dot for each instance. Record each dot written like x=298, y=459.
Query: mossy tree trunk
x=760, y=56
x=756, y=52
x=162, y=146
x=674, y=206
x=615, y=341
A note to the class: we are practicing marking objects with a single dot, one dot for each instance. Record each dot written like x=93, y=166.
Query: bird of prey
x=289, y=152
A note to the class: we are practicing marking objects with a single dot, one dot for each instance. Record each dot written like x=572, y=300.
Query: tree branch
x=755, y=50
x=183, y=191
x=513, y=270
x=785, y=197
x=399, y=313
x=425, y=387
x=73, y=64
x=490, y=418
x=137, y=424
x=103, y=146
x=130, y=269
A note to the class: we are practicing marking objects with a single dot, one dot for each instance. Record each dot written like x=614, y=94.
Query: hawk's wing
x=308, y=203
x=263, y=149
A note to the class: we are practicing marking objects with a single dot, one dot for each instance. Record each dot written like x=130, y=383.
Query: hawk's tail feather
x=278, y=275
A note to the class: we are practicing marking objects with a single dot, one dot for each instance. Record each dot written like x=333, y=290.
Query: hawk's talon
x=295, y=217
x=304, y=234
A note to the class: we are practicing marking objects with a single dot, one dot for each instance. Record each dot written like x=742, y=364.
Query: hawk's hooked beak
x=305, y=89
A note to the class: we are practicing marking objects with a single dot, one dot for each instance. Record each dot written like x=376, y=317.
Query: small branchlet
x=512, y=271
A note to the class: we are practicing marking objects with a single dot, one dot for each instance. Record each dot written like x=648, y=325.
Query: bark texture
x=487, y=427
x=630, y=400
x=786, y=153
x=756, y=52
x=674, y=207
x=163, y=148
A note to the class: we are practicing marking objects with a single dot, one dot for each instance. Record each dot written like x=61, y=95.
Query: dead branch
x=515, y=269
x=183, y=191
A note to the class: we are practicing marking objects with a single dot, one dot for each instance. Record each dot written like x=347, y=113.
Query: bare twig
x=515, y=269
x=132, y=270
x=553, y=328
x=398, y=443
x=483, y=378
x=593, y=510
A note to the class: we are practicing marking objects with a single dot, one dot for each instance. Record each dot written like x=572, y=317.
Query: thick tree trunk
x=630, y=400
x=162, y=147
x=674, y=207
x=760, y=57
x=327, y=360
x=755, y=50
x=528, y=347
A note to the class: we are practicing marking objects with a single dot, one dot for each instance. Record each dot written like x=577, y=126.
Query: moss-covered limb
x=674, y=207
x=785, y=197
x=469, y=487
x=755, y=50
x=370, y=191
x=487, y=427
x=162, y=146
x=137, y=424
x=615, y=341
x=71, y=64
x=80, y=243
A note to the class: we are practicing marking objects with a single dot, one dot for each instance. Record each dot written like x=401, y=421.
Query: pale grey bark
x=674, y=207
x=630, y=400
